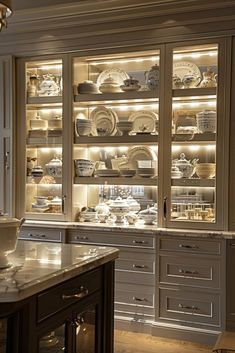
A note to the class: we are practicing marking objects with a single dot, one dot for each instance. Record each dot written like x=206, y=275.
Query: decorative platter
x=104, y=121
x=116, y=74
x=144, y=121
x=140, y=153
x=182, y=68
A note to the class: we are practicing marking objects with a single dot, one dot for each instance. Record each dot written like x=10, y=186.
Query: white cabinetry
x=191, y=281
x=134, y=269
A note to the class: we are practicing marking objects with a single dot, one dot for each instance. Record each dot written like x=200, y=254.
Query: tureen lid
x=119, y=202
x=55, y=162
x=148, y=211
x=109, y=81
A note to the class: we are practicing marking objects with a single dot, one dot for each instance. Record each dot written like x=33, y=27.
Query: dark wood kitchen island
x=57, y=298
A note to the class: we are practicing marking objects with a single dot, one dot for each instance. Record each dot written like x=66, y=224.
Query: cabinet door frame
x=222, y=146
x=20, y=170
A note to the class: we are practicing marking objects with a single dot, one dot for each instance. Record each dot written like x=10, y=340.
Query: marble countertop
x=144, y=229
x=37, y=266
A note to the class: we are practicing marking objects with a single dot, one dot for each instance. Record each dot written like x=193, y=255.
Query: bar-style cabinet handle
x=139, y=242
x=82, y=237
x=63, y=203
x=36, y=235
x=165, y=208
x=82, y=292
x=138, y=266
x=187, y=272
x=182, y=306
x=140, y=299
x=7, y=160
x=188, y=246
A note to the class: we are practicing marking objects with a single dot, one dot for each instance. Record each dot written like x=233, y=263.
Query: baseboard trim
x=195, y=335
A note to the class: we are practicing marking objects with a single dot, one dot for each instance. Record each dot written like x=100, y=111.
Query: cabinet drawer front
x=135, y=277
x=190, y=246
x=136, y=299
x=135, y=265
x=61, y=296
x=189, y=306
x=190, y=271
x=41, y=234
x=112, y=239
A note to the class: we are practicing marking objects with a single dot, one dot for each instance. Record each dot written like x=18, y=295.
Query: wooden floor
x=129, y=342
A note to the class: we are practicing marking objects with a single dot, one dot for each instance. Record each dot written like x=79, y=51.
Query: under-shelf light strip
x=196, y=55
x=124, y=61
x=194, y=104
x=194, y=148
x=113, y=149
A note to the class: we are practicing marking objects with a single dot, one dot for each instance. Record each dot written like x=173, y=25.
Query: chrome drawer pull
x=139, y=242
x=83, y=292
x=138, y=266
x=194, y=308
x=139, y=299
x=81, y=237
x=188, y=246
x=37, y=235
x=187, y=272
x=232, y=245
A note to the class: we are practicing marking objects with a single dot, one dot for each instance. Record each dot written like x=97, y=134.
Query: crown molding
x=84, y=12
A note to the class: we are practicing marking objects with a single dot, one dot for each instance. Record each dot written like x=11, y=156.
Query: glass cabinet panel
x=86, y=332
x=194, y=133
x=53, y=342
x=116, y=115
x=44, y=121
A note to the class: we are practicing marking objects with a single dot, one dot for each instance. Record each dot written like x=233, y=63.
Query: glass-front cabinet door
x=196, y=143
x=116, y=115
x=41, y=129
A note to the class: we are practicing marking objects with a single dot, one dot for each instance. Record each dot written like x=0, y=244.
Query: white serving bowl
x=205, y=170
x=84, y=172
x=9, y=230
x=125, y=127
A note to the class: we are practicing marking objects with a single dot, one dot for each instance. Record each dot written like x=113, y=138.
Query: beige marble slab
x=150, y=229
x=37, y=266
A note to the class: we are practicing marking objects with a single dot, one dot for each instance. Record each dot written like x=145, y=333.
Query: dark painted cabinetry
x=73, y=317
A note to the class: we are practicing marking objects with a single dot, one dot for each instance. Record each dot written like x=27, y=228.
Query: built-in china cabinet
x=145, y=126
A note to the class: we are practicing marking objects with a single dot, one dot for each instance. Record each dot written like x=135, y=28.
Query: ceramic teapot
x=185, y=166
x=190, y=81
x=209, y=78
x=152, y=77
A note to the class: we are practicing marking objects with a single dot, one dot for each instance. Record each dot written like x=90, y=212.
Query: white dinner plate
x=144, y=121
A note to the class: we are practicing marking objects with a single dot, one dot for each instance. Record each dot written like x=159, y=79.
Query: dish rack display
x=116, y=106
x=126, y=144
x=43, y=133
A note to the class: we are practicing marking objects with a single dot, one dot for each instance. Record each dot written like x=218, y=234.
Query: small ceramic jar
x=54, y=167
x=152, y=77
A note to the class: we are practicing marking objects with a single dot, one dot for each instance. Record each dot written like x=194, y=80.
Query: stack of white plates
x=146, y=172
x=107, y=172
x=127, y=172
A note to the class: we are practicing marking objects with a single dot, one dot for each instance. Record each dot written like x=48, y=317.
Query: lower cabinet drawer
x=113, y=239
x=134, y=302
x=189, y=307
x=190, y=271
x=135, y=265
x=144, y=278
x=53, y=235
x=185, y=245
x=57, y=298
